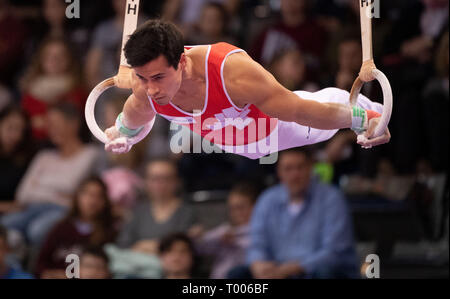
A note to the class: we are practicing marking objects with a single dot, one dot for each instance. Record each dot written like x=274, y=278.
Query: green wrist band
x=124, y=130
x=359, y=116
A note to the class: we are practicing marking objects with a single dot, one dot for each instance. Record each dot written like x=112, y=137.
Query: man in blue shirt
x=300, y=228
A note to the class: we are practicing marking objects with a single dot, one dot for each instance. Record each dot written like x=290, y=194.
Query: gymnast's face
x=161, y=80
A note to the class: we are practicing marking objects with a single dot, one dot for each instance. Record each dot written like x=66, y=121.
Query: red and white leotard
x=247, y=131
x=221, y=121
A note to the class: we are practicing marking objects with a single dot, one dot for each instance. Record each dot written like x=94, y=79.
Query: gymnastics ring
x=89, y=114
x=387, y=101
x=89, y=109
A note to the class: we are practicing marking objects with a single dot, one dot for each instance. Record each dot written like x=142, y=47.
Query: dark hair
x=71, y=112
x=68, y=109
x=104, y=230
x=221, y=8
x=246, y=189
x=165, y=160
x=24, y=148
x=308, y=152
x=168, y=241
x=152, y=39
x=279, y=55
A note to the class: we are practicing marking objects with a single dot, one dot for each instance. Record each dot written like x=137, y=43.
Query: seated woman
x=52, y=77
x=227, y=243
x=46, y=191
x=161, y=214
x=89, y=223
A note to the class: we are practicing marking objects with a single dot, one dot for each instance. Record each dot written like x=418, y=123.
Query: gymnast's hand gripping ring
x=387, y=100
x=89, y=113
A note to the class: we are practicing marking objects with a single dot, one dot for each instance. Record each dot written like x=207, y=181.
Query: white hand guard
x=123, y=143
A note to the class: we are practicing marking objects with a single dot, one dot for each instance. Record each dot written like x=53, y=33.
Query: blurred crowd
x=139, y=215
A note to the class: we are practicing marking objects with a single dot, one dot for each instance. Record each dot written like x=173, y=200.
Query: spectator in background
x=289, y=68
x=15, y=151
x=334, y=15
x=435, y=103
x=212, y=27
x=54, y=15
x=7, y=271
x=178, y=257
x=162, y=213
x=12, y=34
x=94, y=264
x=227, y=243
x=53, y=23
x=89, y=223
x=348, y=62
x=300, y=228
x=52, y=77
x=408, y=64
x=296, y=28
x=417, y=31
x=46, y=191
x=387, y=183
x=186, y=13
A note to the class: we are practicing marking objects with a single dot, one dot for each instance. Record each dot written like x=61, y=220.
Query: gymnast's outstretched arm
x=248, y=82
